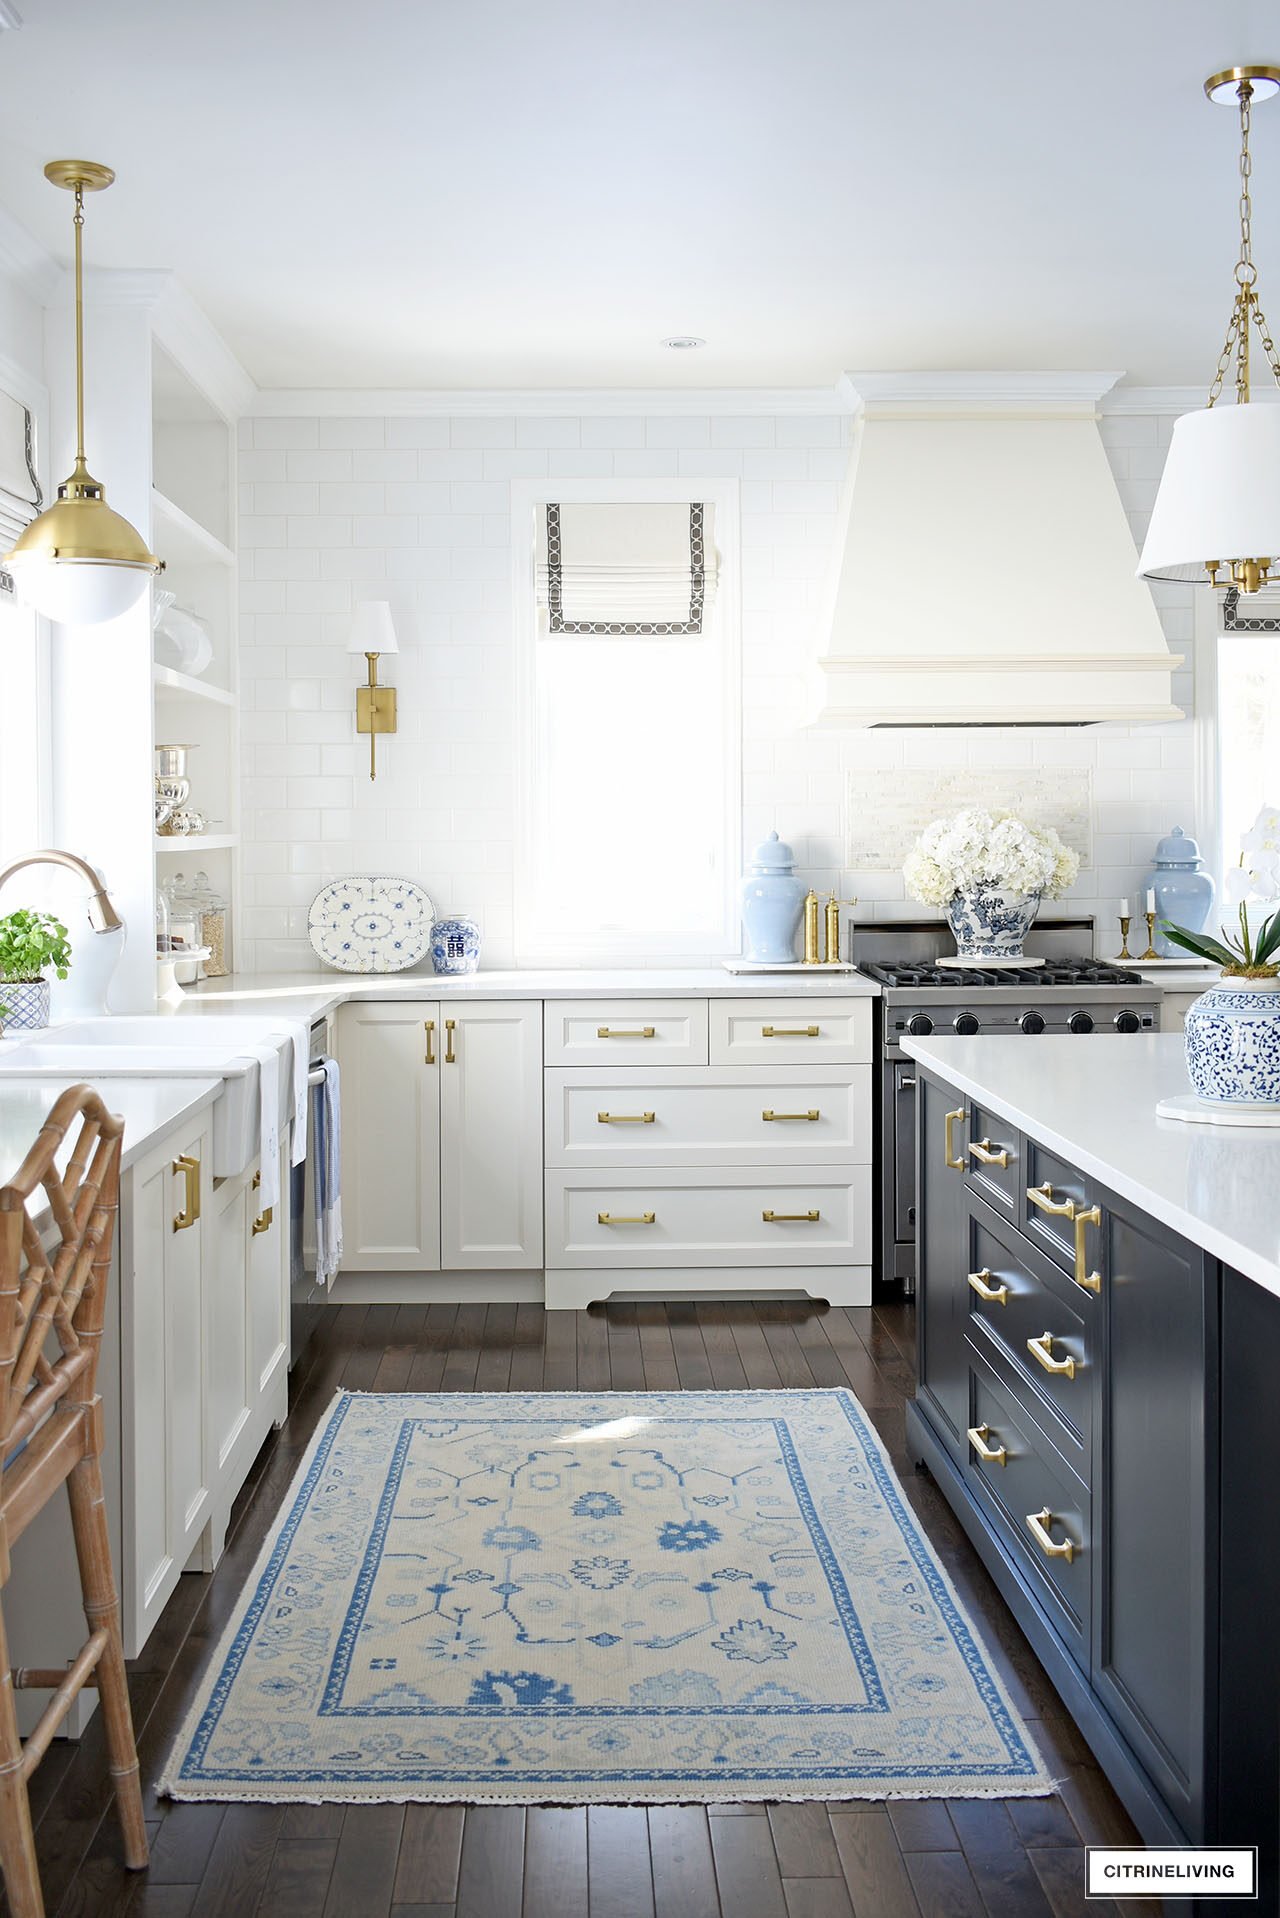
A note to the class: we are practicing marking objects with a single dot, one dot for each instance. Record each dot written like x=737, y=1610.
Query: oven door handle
x=905, y=1085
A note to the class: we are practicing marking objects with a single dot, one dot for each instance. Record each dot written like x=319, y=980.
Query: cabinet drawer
x=783, y=1032
x=1027, y=1480
x=690, y=1115
x=994, y=1153
x=634, y=1218
x=1032, y=1309
x=625, y=1032
x=1054, y=1231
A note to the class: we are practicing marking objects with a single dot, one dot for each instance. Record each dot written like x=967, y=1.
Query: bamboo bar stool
x=51, y=1433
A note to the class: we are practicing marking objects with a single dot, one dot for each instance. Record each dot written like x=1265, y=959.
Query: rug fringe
x=819, y=1795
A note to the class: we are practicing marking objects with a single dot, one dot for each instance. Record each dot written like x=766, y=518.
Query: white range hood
x=985, y=567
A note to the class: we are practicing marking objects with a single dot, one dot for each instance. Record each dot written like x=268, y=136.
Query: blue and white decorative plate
x=370, y=923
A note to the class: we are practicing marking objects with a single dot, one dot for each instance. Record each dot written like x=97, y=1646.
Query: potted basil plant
x=32, y=944
x=1233, y=1030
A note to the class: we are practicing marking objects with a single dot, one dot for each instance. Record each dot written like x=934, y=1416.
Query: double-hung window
x=628, y=799
x=23, y=663
x=1243, y=690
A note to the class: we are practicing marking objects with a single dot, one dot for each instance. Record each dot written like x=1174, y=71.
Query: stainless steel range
x=1068, y=993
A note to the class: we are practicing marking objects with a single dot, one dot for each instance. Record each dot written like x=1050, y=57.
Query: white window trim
x=724, y=494
x=1207, y=631
x=34, y=395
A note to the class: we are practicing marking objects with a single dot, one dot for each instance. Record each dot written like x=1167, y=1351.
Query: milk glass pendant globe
x=80, y=563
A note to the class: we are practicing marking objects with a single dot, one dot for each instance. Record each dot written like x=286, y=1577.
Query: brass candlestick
x=1125, y=923
x=1150, y=952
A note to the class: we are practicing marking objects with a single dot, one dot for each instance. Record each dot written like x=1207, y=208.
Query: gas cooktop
x=1073, y=973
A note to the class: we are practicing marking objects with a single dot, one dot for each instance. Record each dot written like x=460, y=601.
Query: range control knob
x=1080, y=1022
x=1032, y=1022
x=1128, y=1022
x=965, y=1022
x=919, y=1024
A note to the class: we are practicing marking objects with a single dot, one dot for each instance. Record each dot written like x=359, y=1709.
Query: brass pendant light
x=1218, y=508
x=81, y=563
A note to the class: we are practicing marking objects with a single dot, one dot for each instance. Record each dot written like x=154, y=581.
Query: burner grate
x=1060, y=973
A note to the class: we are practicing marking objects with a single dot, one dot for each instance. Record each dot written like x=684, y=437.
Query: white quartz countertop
x=149, y=1107
x=309, y=995
x=1094, y=1102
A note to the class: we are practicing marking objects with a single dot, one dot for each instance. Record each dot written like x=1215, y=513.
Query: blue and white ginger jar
x=990, y=922
x=772, y=903
x=455, y=945
x=1233, y=1043
x=1183, y=889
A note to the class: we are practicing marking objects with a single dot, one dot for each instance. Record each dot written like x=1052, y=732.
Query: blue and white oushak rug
x=572, y=1598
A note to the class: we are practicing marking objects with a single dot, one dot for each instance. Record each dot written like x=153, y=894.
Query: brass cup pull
x=1090, y=1281
x=428, y=1027
x=1038, y=1524
x=791, y=1218
x=623, y=1218
x=1041, y=1197
x=789, y=1032
x=189, y=1168
x=617, y=1032
x=1041, y=1350
x=987, y=1154
x=993, y=1294
x=624, y=1118
x=979, y=1436
x=948, y=1149
x=263, y=1222
x=811, y=1115
x=450, y=1056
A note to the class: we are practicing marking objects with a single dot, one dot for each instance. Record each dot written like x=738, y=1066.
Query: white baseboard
x=572, y=1290
x=435, y=1288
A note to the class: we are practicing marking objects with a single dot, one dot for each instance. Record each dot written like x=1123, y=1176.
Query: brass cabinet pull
x=263, y=1222
x=450, y=1056
x=428, y=1027
x=987, y=1154
x=1041, y=1350
x=625, y=1118
x=791, y=1218
x=790, y=1032
x=948, y=1150
x=189, y=1168
x=1041, y=1196
x=811, y=1115
x=1091, y=1281
x=617, y=1032
x=1038, y=1524
x=989, y=1454
x=623, y=1218
x=993, y=1294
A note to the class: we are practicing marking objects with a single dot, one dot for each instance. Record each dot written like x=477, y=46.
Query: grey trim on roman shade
x=626, y=569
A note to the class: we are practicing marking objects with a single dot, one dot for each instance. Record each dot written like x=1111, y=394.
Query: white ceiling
x=488, y=193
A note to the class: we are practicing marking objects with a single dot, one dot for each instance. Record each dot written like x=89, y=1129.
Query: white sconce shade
x=373, y=629
x=1219, y=497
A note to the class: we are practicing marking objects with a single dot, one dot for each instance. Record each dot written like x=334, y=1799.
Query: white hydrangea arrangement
x=977, y=848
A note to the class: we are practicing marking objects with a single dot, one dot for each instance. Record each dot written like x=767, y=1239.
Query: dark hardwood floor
x=929, y=1859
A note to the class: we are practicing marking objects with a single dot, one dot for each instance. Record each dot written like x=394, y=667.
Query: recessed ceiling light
x=681, y=342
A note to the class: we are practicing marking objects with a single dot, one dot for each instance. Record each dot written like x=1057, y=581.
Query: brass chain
x=1245, y=310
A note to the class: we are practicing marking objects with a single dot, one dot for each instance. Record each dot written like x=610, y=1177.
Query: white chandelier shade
x=1219, y=497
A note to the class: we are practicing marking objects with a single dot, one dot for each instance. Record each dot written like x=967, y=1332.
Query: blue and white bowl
x=1233, y=1043
x=455, y=945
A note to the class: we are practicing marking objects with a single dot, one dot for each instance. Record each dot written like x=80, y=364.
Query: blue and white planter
x=28, y=1003
x=455, y=945
x=991, y=923
x=1233, y=1043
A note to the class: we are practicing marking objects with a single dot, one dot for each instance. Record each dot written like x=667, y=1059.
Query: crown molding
x=933, y=393
x=545, y=402
x=1173, y=399
x=31, y=266
x=187, y=334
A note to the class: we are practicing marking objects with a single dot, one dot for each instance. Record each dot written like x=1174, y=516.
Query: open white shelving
x=184, y=538
x=168, y=680
x=197, y=841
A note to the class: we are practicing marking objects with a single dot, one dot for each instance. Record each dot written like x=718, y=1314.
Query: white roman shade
x=20, y=495
x=626, y=568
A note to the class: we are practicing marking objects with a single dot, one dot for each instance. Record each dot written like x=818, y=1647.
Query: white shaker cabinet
x=441, y=1136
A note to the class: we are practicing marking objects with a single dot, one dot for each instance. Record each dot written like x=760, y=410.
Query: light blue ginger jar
x=772, y=903
x=1233, y=1042
x=1183, y=889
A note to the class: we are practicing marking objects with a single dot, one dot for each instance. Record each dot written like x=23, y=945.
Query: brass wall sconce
x=373, y=633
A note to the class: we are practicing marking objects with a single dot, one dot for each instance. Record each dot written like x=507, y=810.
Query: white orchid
x=1256, y=877
x=980, y=848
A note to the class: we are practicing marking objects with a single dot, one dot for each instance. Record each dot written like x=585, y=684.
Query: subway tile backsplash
x=416, y=510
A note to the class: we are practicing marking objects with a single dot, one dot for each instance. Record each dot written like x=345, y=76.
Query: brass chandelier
x=1220, y=491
